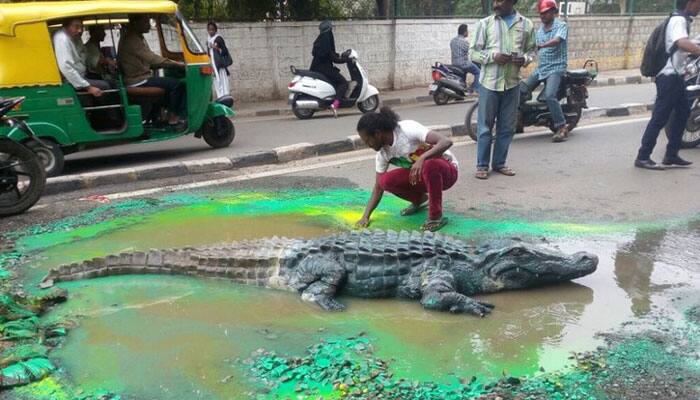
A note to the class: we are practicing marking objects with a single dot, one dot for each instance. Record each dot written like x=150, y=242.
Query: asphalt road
x=588, y=178
x=260, y=134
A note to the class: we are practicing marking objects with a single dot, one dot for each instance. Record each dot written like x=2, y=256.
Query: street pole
x=566, y=9
x=630, y=7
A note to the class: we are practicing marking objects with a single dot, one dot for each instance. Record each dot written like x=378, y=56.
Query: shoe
x=561, y=134
x=334, y=107
x=648, y=164
x=676, y=161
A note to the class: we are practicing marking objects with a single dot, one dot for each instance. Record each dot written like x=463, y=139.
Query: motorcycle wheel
x=51, y=158
x=218, y=132
x=440, y=98
x=691, y=134
x=470, y=120
x=370, y=104
x=22, y=178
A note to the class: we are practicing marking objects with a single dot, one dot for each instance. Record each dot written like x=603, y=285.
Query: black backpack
x=655, y=54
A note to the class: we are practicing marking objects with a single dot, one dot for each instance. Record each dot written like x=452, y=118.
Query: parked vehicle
x=69, y=121
x=310, y=91
x=22, y=176
x=448, y=84
x=573, y=88
x=691, y=135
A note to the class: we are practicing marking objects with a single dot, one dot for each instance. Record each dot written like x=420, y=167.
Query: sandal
x=505, y=171
x=434, y=225
x=482, y=174
x=413, y=208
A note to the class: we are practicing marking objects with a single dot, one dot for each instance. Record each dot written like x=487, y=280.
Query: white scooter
x=310, y=91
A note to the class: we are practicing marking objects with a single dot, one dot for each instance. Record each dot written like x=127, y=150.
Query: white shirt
x=70, y=55
x=409, y=144
x=677, y=29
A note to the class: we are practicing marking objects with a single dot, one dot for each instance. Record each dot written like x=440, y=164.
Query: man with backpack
x=670, y=87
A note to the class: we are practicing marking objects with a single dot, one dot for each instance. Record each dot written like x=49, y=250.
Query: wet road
x=261, y=134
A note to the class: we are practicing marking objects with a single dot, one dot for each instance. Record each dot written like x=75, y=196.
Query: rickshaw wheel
x=218, y=132
x=52, y=158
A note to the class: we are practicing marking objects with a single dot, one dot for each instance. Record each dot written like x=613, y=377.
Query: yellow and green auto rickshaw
x=71, y=120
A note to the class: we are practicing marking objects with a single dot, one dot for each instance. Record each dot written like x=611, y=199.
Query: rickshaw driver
x=137, y=60
x=71, y=58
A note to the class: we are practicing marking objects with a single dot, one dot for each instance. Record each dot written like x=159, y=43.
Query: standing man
x=460, y=56
x=71, y=58
x=503, y=43
x=551, y=46
x=670, y=91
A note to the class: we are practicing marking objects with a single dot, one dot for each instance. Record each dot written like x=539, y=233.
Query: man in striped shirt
x=503, y=43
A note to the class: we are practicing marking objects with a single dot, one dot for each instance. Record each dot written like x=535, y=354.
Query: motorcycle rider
x=459, y=46
x=324, y=57
x=551, y=40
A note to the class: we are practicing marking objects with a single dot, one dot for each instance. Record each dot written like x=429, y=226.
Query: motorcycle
x=691, y=74
x=22, y=176
x=573, y=88
x=448, y=84
x=310, y=91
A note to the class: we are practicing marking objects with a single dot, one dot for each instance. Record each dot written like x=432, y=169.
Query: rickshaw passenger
x=137, y=60
x=96, y=61
x=71, y=58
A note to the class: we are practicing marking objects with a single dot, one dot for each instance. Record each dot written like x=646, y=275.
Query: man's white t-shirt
x=677, y=29
x=409, y=144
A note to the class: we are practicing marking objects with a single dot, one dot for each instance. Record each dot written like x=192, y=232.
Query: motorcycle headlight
x=692, y=69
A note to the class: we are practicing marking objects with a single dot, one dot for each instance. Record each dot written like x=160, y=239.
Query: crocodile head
x=519, y=265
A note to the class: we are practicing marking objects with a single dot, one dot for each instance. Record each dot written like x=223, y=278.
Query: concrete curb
x=277, y=155
x=394, y=101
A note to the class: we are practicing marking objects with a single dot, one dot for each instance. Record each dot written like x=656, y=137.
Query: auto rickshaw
x=69, y=120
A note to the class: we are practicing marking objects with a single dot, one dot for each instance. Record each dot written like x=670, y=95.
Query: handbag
x=222, y=59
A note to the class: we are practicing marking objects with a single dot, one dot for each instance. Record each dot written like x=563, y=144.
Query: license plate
x=433, y=88
x=291, y=96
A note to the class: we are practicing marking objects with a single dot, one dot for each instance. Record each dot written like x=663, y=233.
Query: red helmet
x=546, y=5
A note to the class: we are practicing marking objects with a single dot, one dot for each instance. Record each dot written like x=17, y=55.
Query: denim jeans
x=499, y=108
x=551, y=88
x=670, y=97
x=471, y=68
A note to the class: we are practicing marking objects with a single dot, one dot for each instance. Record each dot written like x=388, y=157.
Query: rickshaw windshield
x=191, y=40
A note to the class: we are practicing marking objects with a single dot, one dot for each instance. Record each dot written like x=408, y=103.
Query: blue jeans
x=670, y=97
x=471, y=68
x=551, y=88
x=499, y=108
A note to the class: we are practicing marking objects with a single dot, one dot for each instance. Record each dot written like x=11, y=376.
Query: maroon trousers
x=437, y=176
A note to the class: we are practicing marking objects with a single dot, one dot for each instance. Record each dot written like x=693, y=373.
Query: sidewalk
x=420, y=94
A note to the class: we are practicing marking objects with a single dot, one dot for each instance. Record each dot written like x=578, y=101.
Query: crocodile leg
x=439, y=293
x=317, y=277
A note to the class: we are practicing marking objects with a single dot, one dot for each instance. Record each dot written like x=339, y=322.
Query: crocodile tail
x=150, y=262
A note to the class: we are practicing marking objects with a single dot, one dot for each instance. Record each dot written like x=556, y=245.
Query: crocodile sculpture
x=439, y=270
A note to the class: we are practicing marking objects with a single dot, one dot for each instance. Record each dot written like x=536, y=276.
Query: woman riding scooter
x=324, y=57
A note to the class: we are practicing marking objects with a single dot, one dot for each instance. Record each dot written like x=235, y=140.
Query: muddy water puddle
x=175, y=337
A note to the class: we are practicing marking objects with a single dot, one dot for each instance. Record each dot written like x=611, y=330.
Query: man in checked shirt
x=551, y=45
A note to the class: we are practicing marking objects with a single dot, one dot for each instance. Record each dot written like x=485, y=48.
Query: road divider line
x=278, y=155
x=304, y=168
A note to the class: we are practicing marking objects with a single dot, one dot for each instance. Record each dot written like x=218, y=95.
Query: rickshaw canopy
x=14, y=14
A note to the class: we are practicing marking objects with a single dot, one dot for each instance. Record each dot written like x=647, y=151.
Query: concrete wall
x=398, y=54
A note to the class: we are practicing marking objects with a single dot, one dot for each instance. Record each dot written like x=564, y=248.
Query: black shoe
x=676, y=161
x=648, y=164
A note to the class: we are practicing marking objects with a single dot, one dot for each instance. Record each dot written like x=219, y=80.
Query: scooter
x=310, y=91
x=573, y=88
x=22, y=175
x=448, y=84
